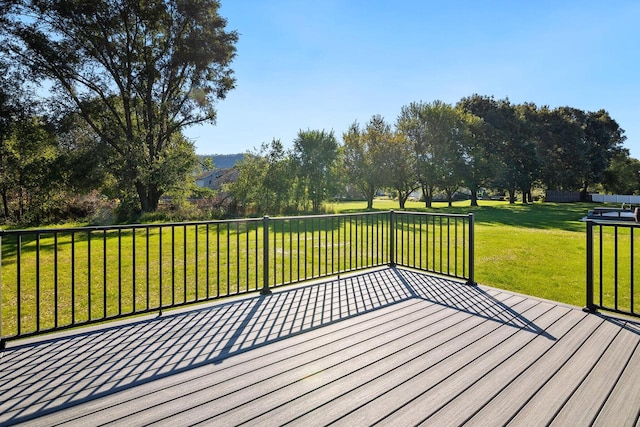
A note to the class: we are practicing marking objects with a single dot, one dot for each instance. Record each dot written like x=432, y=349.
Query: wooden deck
x=390, y=347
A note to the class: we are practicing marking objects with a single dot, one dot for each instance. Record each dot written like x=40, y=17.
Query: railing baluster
x=104, y=274
x=615, y=268
x=55, y=282
x=38, y=282
x=119, y=271
x=134, y=306
x=184, y=264
x=173, y=265
x=207, y=260
x=195, y=258
x=238, y=285
x=631, y=273
x=73, y=277
x=265, y=256
x=19, y=284
x=160, y=257
x=471, y=251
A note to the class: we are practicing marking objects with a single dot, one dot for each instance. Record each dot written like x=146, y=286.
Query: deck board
x=389, y=346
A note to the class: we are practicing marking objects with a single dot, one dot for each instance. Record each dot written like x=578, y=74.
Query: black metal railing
x=52, y=279
x=611, y=272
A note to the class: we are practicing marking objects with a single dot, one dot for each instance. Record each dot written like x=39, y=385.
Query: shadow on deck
x=52, y=375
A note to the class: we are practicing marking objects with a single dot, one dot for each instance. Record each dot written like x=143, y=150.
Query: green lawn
x=537, y=249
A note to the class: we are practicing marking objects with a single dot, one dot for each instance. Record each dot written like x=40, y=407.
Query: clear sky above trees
x=309, y=65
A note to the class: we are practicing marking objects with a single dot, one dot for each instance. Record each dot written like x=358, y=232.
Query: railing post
x=2, y=341
x=590, y=306
x=471, y=279
x=392, y=238
x=265, y=256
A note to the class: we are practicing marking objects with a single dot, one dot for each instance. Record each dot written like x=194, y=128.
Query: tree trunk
x=427, y=193
x=449, y=198
x=370, y=194
x=369, y=203
x=474, y=197
x=402, y=198
x=5, y=203
x=583, y=192
x=20, y=203
x=149, y=197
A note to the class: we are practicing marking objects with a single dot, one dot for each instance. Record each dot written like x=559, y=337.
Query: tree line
x=94, y=97
x=479, y=143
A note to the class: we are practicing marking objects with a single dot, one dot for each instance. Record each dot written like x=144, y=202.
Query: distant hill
x=222, y=161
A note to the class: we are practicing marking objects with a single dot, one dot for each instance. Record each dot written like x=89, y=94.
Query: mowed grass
x=537, y=249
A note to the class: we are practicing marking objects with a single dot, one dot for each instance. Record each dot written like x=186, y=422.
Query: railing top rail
x=342, y=215
x=122, y=226
x=97, y=228
x=432, y=214
x=611, y=223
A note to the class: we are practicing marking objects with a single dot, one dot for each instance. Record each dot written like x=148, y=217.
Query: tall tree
x=137, y=72
x=435, y=131
x=399, y=165
x=603, y=139
x=623, y=174
x=477, y=154
x=560, y=148
x=265, y=179
x=29, y=183
x=514, y=146
x=314, y=154
x=363, y=156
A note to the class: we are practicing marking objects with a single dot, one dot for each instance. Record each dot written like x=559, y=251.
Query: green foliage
x=363, y=156
x=314, y=156
x=137, y=73
x=265, y=180
x=623, y=175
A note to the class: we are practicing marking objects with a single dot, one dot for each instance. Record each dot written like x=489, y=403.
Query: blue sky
x=305, y=64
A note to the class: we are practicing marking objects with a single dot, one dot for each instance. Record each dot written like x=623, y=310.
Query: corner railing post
x=265, y=256
x=471, y=280
x=392, y=238
x=590, y=306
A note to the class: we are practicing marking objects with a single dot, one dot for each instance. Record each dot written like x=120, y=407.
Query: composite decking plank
x=329, y=339
x=143, y=368
x=623, y=404
x=259, y=367
x=385, y=373
x=598, y=384
x=339, y=399
x=289, y=382
x=547, y=400
x=355, y=350
x=118, y=355
x=514, y=382
x=277, y=352
x=471, y=380
x=432, y=375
